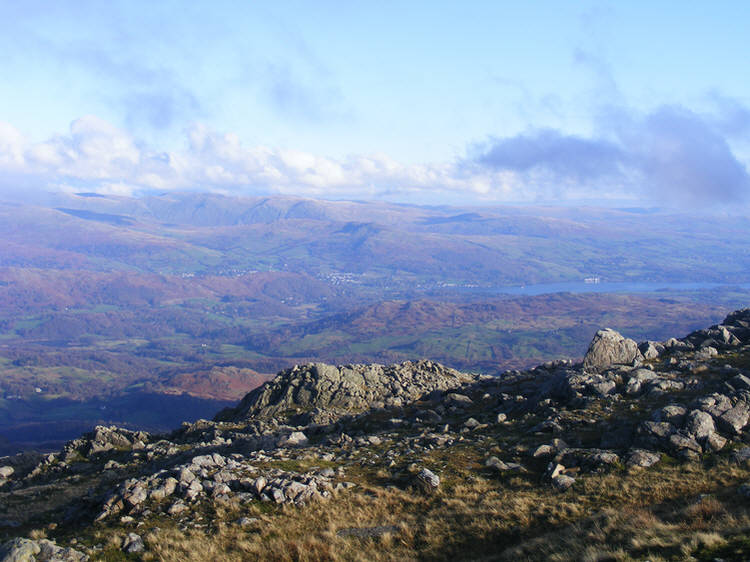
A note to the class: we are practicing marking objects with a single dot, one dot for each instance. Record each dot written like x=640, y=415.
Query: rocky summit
x=639, y=451
x=320, y=392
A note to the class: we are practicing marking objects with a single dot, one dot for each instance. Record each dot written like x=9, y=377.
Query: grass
x=669, y=512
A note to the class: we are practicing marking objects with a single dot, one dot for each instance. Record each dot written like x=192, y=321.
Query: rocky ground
x=639, y=452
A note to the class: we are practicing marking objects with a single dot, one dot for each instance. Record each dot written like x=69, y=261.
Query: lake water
x=604, y=287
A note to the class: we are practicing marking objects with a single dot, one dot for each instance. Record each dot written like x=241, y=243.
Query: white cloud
x=12, y=147
x=96, y=156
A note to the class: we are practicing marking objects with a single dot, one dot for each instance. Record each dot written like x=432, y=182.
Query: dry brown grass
x=656, y=514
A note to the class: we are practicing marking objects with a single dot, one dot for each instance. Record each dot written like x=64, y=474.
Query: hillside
x=108, y=301
x=637, y=452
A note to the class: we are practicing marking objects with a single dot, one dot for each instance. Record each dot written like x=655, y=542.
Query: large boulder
x=610, y=348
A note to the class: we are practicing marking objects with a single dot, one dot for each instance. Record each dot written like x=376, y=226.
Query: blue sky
x=412, y=101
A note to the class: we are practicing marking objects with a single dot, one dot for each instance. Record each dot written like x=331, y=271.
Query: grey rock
x=609, y=348
x=661, y=385
x=699, y=424
x=715, y=404
x=367, y=532
x=602, y=460
x=42, y=550
x=220, y=490
x=735, y=419
x=133, y=544
x=456, y=399
x=650, y=349
x=177, y=508
x=295, y=439
x=636, y=379
x=259, y=484
x=714, y=442
x=685, y=446
x=673, y=414
x=493, y=462
x=741, y=456
x=427, y=480
x=19, y=550
x=500, y=466
x=603, y=388
x=185, y=476
x=655, y=434
x=675, y=344
x=543, y=451
x=49, y=551
x=430, y=416
x=135, y=495
x=705, y=353
x=6, y=471
x=193, y=489
x=740, y=382
x=562, y=482
x=640, y=458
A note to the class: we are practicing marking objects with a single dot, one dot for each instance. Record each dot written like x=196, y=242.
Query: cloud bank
x=670, y=156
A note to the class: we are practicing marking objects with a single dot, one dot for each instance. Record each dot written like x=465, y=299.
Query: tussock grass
x=669, y=512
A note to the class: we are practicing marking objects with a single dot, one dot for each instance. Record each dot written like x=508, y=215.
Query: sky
x=422, y=102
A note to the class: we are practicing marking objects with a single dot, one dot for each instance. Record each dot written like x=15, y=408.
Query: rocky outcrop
x=321, y=393
x=102, y=439
x=609, y=348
